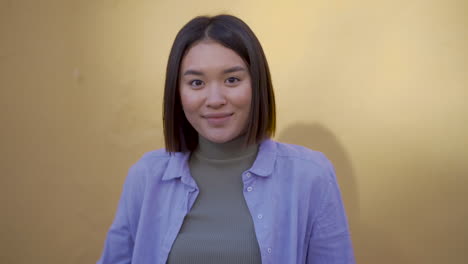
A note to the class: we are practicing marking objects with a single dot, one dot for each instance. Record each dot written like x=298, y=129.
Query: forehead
x=210, y=55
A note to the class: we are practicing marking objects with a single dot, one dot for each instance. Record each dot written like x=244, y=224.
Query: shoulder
x=302, y=163
x=301, y=154
x=150, y=165
x=151, y=159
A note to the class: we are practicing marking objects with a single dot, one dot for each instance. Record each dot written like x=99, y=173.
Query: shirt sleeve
x=330, y=241
x=118, y=247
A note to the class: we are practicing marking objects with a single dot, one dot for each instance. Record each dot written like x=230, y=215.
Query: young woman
x=222, y=191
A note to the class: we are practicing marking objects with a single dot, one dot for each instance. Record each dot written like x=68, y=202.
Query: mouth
x=217, y=115
x=218, y=119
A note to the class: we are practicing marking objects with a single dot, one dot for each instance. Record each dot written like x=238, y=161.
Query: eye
x=232, y=80
x=196, y=83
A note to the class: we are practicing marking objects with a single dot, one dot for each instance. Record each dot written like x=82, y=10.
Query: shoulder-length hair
x=234, y=34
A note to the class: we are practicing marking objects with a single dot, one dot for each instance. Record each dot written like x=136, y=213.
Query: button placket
x=247, y=177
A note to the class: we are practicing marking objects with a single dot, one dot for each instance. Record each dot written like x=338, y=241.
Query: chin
x=220, y=139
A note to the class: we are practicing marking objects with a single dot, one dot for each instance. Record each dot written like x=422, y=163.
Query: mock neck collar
x=233, y=149
x=263, y=165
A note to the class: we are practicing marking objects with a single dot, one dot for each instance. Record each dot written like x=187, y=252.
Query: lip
x=218, y=119
x=217, y=115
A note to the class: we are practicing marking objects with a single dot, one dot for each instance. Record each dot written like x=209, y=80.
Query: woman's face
x=215, y=91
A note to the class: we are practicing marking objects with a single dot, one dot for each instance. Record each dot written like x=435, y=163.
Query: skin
x=215, y=91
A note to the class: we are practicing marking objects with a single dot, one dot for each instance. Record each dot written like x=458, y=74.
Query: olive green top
x=219, y=227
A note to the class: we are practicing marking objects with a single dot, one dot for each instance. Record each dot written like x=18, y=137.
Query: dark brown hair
x=234, y=34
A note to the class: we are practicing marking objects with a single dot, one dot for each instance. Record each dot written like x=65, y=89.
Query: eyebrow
x=229, y=70
x=234, y=69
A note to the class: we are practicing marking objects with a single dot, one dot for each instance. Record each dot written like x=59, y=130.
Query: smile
x=218, y=119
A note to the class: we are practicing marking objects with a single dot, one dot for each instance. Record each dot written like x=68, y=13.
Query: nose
x=215, y=97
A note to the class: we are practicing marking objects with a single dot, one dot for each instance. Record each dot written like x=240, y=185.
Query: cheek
x=189, y=101
x=244, y=98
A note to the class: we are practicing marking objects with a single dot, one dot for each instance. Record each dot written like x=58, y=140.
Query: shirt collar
x=266, y=157
x=263, y=165
x=177, y=166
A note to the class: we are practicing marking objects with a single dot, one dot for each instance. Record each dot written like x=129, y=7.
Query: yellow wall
x=379, y=86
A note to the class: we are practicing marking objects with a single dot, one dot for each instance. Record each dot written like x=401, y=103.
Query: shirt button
x=269, y=250
x=248, y=175
x=249, y=189
x=260, y=216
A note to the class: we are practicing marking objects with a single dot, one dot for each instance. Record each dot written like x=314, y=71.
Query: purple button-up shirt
x=291, y=192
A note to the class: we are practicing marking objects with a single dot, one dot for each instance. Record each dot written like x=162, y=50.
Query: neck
x=223, y=151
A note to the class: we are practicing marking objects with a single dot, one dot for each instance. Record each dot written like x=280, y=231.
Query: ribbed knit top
x=219, y=227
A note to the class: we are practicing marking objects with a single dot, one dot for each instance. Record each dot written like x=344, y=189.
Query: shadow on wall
x=371, y=245
x=317, y=137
